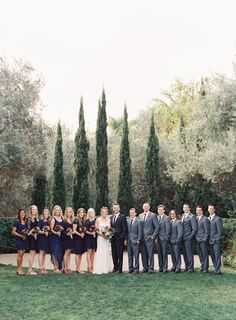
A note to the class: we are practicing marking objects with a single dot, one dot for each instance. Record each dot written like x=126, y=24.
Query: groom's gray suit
x=149, y=233
x=134, y=239
x=215, y=241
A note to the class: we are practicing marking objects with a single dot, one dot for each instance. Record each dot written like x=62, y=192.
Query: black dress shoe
x=213, y=273
x=177, y=271
x=161, y=271
x=144, y=271
x=131, y=271
x=135, y=272
x=150, y=272
x=118, y=272
x=204, y=271
x=114, y=270
x=189, y=271
x=165, y=271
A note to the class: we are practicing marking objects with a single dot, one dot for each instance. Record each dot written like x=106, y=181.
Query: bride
x=102, y=261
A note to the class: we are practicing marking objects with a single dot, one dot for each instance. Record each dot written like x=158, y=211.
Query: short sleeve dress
x=20, y=243
x=32, y=242
x=67, y=241
x=79, y=243
x=43, y=240
x=90, y=241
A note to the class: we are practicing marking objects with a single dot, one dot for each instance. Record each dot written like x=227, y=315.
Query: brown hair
x=176, y=214
x=18, y=215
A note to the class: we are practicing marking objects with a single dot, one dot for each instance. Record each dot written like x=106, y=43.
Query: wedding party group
x=60, y=234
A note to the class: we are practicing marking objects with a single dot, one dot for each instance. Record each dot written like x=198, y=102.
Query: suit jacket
x=215, y=229
x=120, y=227
x=149, y=226
x=189, y=227
x=176, y=231
x=164, y=228
x=134, y=231
x=203, y=229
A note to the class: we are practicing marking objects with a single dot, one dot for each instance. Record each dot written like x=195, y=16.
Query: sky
x=133, y=48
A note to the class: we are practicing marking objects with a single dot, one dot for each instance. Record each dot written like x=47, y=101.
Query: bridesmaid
x=90, y=238
x=79, y=233
x=19, y=231
x=56, y=241
x=67, y=239
x=44, y=239
x=32, y=225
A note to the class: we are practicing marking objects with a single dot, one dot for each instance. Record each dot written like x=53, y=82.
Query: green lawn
x=169, y=296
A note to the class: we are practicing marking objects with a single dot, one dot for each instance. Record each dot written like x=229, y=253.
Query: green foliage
x=58, y=188
x=101, y=156
x=81, y=165
x=40, y=191
x=153, y=167
x=7, y=243
x=124, y=194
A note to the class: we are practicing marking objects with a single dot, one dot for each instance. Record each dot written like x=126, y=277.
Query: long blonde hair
x=91, y=210
x=72, y=211
x=54, y=209
x=30, y=211
x=49, y=216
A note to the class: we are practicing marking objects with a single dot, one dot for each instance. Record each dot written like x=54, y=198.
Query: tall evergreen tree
x=124, y=195
x=81, y=165
x=40, y=191
x=181, y=191
x=101, y=156
x=58, y=188
x=152, y=166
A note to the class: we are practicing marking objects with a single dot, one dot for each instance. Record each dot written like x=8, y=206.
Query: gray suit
x=215, y=242
x=149, y=233
x=134, y=239
x=163, y=240
x=202, y=236
x=189, y=232
x=176, y=235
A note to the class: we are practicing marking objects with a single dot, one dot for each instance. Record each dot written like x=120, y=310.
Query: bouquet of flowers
x=46, y=229
x=92, y=229
x=58, y=228
x=24, y=232
x=69, y=232
x=35, y=231
x=82, y=229
x=108, y=232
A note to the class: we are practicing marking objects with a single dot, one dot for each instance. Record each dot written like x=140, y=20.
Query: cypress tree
x=181, y=191
x=152, y=166
x=101, y=156
x=58, y=188
x=39, y=191
x=81, y=165
x=124, y=195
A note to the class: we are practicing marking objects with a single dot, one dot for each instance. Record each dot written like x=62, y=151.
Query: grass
x=68, y=297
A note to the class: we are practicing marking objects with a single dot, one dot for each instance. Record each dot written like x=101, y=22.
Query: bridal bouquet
x=108, y=232
x=93, y=229
x=46, y=229
x=24, y=232
x=69, y=232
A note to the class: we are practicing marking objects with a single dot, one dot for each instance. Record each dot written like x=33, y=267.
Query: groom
x=118, y=222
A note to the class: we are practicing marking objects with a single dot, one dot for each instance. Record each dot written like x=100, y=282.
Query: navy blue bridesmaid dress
x=56, y=245
x=32, y=242
x=90, y=241
x=20, y=243
x=67, y=241
x=79, y=243
x=43, y=240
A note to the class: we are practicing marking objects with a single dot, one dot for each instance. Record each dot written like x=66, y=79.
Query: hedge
x=7, y=244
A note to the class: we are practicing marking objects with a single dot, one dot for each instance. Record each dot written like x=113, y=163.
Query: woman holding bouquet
x=79, y=241
x=56, y=241
x=43, y=239
x=102, y=258
x=19, y=230
x=67, y=238
x=90, y=238
x=32, y=225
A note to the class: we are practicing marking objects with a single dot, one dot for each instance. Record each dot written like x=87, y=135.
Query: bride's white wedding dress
x=102, y=259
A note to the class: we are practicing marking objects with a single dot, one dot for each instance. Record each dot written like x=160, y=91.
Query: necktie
x=131, y=223
x=145, y=216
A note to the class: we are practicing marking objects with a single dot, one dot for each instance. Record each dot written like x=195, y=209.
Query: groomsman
x=134, y=238
x=149, y=233
x=176, y=235
x=118, y=222
x=202, y=236
x=215, y=238
x=189, y=232
x=163, y=238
